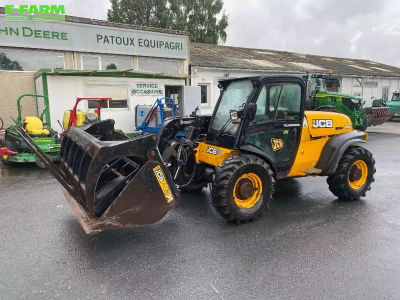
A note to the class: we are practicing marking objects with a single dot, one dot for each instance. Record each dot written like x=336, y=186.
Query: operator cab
x=396, y=97
x=253, y=110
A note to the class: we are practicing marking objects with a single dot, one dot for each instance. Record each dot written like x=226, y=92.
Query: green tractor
x=41, y=133
x=394, y=104
x=322, y=97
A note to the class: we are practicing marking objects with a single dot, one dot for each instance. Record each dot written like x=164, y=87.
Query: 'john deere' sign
x=92, y=38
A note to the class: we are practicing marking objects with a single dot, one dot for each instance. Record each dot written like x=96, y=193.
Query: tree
x=204, y=20
x=111, y=66
x=149, y=13
x=8, y=64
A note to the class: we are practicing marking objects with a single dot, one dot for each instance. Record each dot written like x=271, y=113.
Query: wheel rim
x=358, y=174
x=247, y=190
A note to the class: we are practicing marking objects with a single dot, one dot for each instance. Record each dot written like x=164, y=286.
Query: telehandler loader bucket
x=109, y=180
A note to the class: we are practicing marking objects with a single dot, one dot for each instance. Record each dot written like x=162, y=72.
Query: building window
x=205, y=99
x=114, y=103
x=30, y=60
x=385, y=93
x=90, y=62
x=166, y=66
x=118, y=103
x=106, y=62
x=95, y=104
x=116, y=62
x=118, y=93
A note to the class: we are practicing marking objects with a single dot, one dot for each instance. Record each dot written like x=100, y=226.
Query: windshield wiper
x=222, y=129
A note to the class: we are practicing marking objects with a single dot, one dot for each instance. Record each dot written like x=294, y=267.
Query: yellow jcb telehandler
x=259, y=133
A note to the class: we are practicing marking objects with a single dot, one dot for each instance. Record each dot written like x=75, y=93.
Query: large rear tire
x=354, y=174
x=242, y=188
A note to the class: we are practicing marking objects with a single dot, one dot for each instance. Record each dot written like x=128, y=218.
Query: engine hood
x=394, y=106
x=327, y=93
x=326, y=123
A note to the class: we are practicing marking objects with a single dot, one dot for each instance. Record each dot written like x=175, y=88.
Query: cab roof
x=263, y=78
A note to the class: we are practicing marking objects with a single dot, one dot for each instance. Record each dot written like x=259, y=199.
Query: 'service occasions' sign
x=147, y=89
x=92, y=38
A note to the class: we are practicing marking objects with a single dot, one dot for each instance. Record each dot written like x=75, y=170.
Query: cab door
x=276, y=128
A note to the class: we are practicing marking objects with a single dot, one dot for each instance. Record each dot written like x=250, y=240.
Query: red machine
x=73, y=113
x=6, y=151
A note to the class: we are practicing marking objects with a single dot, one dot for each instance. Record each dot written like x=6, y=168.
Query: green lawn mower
x=15, y=150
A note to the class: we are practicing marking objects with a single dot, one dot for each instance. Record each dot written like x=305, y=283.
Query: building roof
x=236, y=58
x=73, y=19
x=106, y=73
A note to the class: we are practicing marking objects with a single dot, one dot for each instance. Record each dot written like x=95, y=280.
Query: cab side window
x=289, y=103
x=266, y=103
x=278, y=102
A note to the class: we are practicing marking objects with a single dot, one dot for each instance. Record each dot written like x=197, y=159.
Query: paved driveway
x=308, y=245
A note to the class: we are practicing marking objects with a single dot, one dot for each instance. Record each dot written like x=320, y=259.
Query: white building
x=112, y=58
x=210, y=63
x=127, y=89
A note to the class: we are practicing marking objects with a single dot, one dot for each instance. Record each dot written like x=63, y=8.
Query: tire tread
x=338, y=182
x=221, y=181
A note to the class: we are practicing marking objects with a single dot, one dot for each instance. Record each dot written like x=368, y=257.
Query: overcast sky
x=368, y=29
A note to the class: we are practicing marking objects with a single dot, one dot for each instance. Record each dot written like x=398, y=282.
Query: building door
x=385, y=93
x=175, y=92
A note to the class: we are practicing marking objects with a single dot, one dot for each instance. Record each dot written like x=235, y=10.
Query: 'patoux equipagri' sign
x=91, y=38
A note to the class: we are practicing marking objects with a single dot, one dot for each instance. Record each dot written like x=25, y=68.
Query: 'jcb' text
x=322, y=123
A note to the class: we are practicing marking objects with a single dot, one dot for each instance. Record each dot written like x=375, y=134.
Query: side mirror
x=251, y=111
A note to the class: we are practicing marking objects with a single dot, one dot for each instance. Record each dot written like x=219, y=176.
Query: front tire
x=39, y=163
x=354, y=175
x=5, y=161
x=242, y=188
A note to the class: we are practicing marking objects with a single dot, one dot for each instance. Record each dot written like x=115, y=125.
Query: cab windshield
x=235, y=95
x=318, y=84
x=396, y=97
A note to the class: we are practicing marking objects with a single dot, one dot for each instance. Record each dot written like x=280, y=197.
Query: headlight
x=234, y=117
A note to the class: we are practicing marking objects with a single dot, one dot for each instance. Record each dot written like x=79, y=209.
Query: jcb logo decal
x=322, y=123
x=163, y=184
x=212, y=150
x=276, y=144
